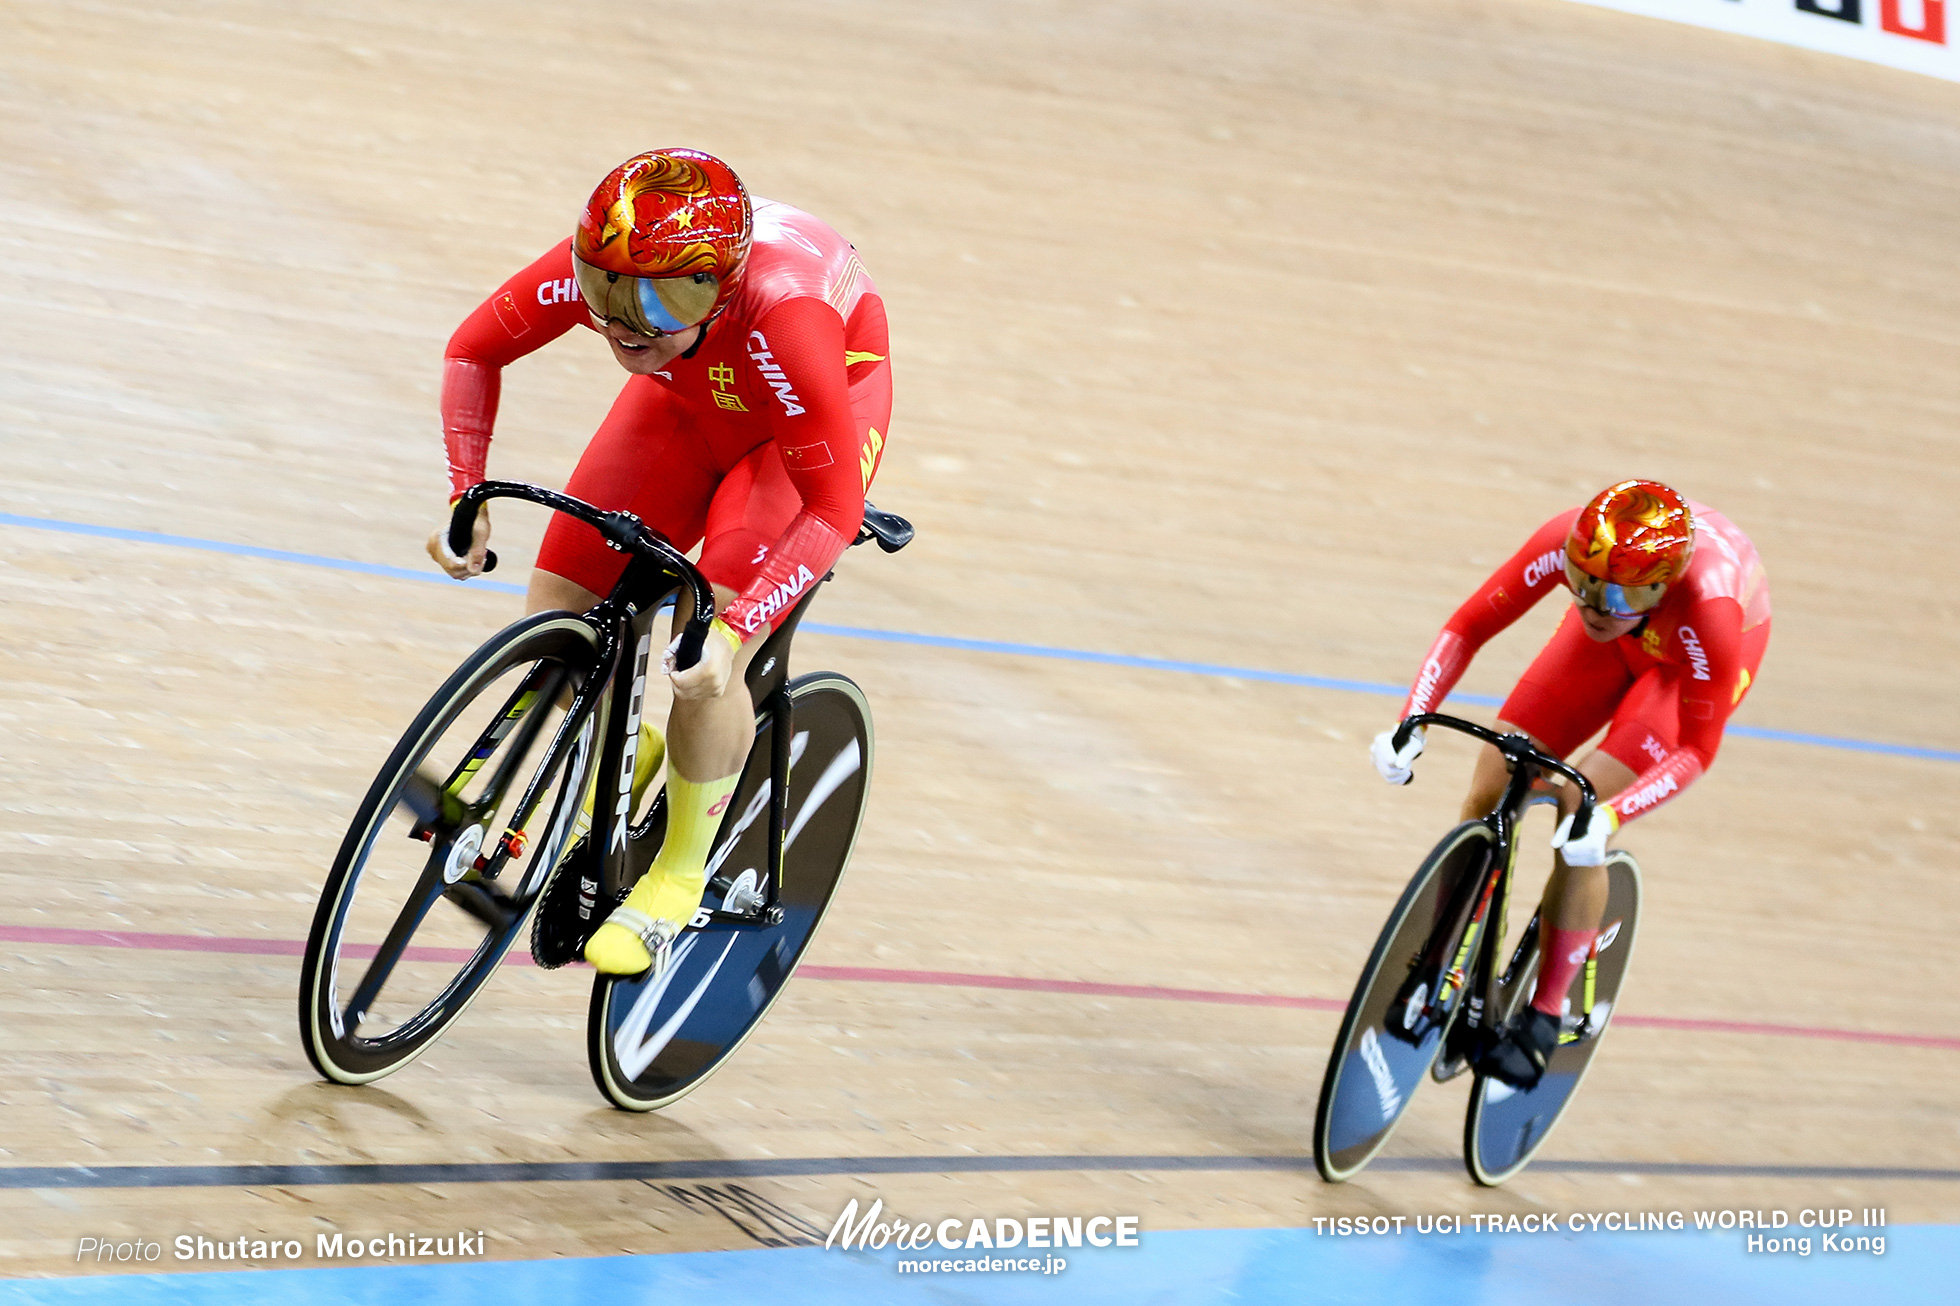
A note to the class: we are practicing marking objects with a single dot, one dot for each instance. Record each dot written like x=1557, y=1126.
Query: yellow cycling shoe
x=640, y=933
x=631, y=943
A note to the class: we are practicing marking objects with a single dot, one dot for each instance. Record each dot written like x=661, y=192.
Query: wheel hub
x=462, y=854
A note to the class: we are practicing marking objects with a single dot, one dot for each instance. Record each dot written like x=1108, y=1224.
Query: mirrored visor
x=1622, y=601
x=652, y=306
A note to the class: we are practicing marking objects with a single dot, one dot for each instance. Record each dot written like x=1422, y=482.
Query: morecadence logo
x=858, y=1229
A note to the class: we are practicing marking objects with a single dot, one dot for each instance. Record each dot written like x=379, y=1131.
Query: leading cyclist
x=753, y=423
x=1669, y=621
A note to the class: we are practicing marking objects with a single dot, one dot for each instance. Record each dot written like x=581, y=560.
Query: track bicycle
x=1434, y=999
x=467, y=833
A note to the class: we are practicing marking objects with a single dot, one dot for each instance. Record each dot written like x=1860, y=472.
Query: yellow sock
x=672, y=887
x=651, y=753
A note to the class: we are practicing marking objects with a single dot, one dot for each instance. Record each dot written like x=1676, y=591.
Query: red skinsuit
x=763, y=443
x=1666, y=689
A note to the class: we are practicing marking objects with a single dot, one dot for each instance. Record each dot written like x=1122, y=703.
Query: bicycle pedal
x=1588, y=1026
x=1453, y=1058
x=1491, y=1066
x=489, y=904
x=1410, y=1015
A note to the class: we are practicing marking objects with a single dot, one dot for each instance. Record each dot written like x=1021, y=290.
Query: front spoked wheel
x=1405, y=1002
x=652, y=1041
x=448, y=852
x=1506, y=1126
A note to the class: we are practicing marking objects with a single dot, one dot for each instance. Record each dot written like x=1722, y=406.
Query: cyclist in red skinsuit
x=764, y=437
x=1662, y=682
x=753, y=424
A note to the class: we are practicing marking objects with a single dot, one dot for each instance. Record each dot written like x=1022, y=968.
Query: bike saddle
x=891, y=531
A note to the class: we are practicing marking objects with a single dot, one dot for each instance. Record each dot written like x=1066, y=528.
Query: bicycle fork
x=1489, y=929
x=1436, y=980
x=1454, y=974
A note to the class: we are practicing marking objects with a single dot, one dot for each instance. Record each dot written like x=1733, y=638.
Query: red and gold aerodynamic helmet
x=661, y=245
x=1629, y=544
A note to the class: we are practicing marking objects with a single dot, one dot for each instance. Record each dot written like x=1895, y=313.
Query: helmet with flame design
x=1628, y=545
x=661, y=245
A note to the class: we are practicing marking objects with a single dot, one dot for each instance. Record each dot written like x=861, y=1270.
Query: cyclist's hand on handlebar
x=1396, y=767
x=1591, y=850
x=462, y=568
x=708, y=677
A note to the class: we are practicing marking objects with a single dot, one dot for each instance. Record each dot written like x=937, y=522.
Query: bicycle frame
x=623, y=621
x=1493, y=887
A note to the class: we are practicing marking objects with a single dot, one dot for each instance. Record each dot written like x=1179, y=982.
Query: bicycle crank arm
x=762, y=917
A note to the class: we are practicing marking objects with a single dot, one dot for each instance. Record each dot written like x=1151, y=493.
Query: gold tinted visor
x=652, y=306
x=1623, y=601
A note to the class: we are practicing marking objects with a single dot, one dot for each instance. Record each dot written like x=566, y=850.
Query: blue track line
x=248, y=551
x=1131, y=660
x=1003, y=647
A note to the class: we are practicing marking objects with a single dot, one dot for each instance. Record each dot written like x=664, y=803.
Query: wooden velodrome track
x=1247, y=335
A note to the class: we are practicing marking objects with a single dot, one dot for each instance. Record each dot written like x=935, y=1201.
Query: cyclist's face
x=1604, y=627
x=645, y=355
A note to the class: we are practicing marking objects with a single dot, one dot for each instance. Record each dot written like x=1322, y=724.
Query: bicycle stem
x=623, y=532
x=1518, y=750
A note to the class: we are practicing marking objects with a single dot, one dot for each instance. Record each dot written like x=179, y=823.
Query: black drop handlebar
x=621, y=530
x=1517, y=748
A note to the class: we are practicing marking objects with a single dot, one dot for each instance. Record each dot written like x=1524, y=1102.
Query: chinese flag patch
x=505, y=307
x=807, y=457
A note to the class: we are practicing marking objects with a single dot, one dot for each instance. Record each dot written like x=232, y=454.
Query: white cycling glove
x=1591, y=850
x=1394, y=766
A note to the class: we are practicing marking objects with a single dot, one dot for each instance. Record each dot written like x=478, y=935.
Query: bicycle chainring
x=569, y=913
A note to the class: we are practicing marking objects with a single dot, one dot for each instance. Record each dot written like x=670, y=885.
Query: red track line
x=158, y=942
x=950, y=979
x=955, y=979
x=1792, y=1031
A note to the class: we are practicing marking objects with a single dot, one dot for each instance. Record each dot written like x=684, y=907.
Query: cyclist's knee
x=1487, y=783
x=684, y=607
x=550, y=592
x=1479, y=803
x=1609, y=775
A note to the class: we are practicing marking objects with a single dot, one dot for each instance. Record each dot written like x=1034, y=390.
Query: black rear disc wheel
x=651, y=1042
x=1505, y=1126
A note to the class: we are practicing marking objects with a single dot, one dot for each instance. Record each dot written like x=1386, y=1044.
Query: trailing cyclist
x=1670, y=618
x=753, y=423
